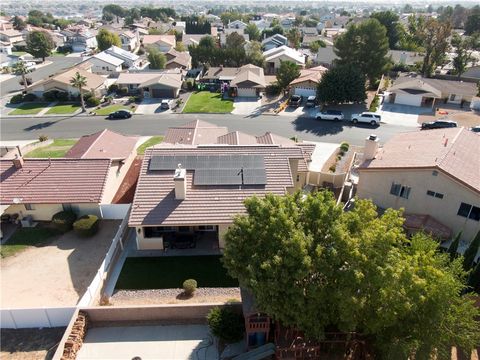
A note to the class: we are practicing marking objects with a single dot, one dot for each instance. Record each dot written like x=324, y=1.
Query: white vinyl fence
x=114, y=211
x=60, y=316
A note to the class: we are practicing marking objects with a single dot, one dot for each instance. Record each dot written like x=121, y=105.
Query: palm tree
x=20, y=69
x=79, y=81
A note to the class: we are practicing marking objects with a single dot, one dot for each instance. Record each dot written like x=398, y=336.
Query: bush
x=273, y=89
x=50, y=95
x=122, y=91
x=64, y=220
x=92, y=101
x=43, y=138
x=140, y=51
x=87, y=95
x=86, y=225
x=16, y=99
x=113, y=88
x=190, y=84
x=375, y=103
x=344, y=146
x=64, y=49
x=189, y=286
x=332, y=168
x=30, y=97
x=62, y=96
x=226, y=324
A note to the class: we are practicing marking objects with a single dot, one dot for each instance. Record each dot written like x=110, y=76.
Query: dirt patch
x=57, y=274
x=29, y=344
x=173, y=296
x=126, y=190
x=466, y=118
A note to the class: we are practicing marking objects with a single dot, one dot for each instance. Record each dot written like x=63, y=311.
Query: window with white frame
x=469, y=211
x=435, y=194
x=452, y=97
x=400, y=190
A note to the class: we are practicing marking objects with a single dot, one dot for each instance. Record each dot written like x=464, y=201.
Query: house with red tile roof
x=433, y=175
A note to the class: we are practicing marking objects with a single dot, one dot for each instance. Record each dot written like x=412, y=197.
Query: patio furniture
x=184, y=241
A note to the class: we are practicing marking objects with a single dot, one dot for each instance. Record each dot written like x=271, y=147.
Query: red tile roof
x=453, y=151
x=194, y=133
x=55, y=181
x=104, y=144
x=155, y=202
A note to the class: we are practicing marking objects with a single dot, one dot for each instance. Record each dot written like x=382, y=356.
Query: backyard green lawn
x=111, y=108
x=57, y=149
x=63, y=109
x=154, y=140
x=208, y=102
x=169, y=272
x=28, y=109
x=25, y=237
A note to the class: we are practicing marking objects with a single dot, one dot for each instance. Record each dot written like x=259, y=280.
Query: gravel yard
x=173, y=296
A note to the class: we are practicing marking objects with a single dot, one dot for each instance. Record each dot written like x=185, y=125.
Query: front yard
x=57, y=149
x=27, y=237
x=111, y=108
x=28, y=109
x=208, y=102
x=169, y=272
x=154, y=140
x=63, y=109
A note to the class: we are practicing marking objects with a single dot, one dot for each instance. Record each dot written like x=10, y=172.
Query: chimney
x=180, y=183
x=18, y=162
x=371, y=147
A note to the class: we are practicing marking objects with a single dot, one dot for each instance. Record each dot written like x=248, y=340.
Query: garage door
x=247, y=92
x=407, y=99
x=162, y=93
x=305, y=92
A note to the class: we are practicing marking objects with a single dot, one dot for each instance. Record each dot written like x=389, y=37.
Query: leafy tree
x=474, y=278
x=253, y=32
x=234, y=40
x=180, y=47
x=255, y=54
x=277, y=29
x=453, y=248
x=310, y=22
x=157, y=59
x=312, y=266
x=463, y=53
x=342, y=84
x=316, y=45
x=287, y=72
x=107, y=39
x=390, y=20
x=207, y=42
x=18, y=23
x=471, y=253
x=472, y=25
x=39, y=44
x=294, y=37
x=79, y=81
x=20, y=68
x=364, y=45
x=114, y=9
x=196, y=25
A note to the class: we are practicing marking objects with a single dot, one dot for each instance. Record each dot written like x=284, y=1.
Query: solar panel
x=216, y=169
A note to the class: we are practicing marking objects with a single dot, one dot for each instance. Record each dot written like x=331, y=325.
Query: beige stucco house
x=275, y=56
x=433, y=175
x=307, y=83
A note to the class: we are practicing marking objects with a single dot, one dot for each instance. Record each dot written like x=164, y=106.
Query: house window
x=29, y=207
x=206, y=228
x=67, y=207
x=434, y=194
x=298, y=178
x=103, y=67
x=452, y=97
x=400, y=190
x=434, y=173
x=469, y=211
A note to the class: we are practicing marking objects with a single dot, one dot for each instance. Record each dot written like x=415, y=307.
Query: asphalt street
x=16, y=128
x=58, y=63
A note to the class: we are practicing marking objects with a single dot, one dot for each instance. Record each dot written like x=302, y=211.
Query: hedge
x=92, y=101
x=86, y=225
x=226, y=324
x=16, y=99
x=29, y=97
x=64, y=220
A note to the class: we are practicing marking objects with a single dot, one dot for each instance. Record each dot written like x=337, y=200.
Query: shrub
x=344, y=146
x=64, y=49
x=113, y=88
x=50, y=95
x=140, y=51
x=92, y=101
x=190, y=84
x=86, y=96
x=273, y=89
x=189, y=286
x=64, y=220
x=16, y=99
x=30, y=97
x=339, y=157
x=226, y=324
x=43, y=138
x=122, y=91
x=375, y=103
x=332, y=168
x=62, y=96
x=341, y=152
x=86, y=225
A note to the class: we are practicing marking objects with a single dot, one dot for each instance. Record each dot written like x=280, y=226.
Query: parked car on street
x=295, y=101
x=367, y=117
x=165, y=105
x=438, y=124
x=120, y=114
x=475, y=129
x=335, y=115
x=311, y=101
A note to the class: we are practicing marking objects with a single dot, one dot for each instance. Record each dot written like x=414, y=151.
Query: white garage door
x=407, y=99
x=305, y=92
x=247, y=92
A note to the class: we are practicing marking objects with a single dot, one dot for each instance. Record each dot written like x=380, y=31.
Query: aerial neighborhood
x=200, y=180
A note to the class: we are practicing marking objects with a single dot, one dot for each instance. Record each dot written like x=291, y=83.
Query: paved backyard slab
x=57, y=274
x=173, y=342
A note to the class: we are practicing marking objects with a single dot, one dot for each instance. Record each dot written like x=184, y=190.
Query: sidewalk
x=46, y=108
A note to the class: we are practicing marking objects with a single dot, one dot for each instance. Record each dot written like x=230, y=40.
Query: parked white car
x=335, y=115
x=367, y=117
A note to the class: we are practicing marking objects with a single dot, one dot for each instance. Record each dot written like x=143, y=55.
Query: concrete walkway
x=46, y=108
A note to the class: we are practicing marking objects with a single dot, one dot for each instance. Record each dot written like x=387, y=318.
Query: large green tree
x=342, y=84
x=471, y=252
x=40, y=44
x=287, y=72
x=390, y=20
x=253, y=32
x=18, y=23
x=364, y=45
x=157, y=59
x=463, y=48
x=472, y=25
x=294, y=37
x=234, y=41
x=106, y=39
x=310, y=265
x=254, y=53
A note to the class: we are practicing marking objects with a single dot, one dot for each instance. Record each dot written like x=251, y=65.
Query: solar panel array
x=216, y=169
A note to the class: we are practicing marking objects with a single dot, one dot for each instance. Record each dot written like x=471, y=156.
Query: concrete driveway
x=246, y=105
x=403, y=115
x=152, y=106
x=299, y=111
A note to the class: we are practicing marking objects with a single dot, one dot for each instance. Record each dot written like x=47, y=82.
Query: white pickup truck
x=366, y=117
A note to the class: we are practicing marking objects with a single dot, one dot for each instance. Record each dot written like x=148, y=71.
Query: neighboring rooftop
x=153, y=39
x=110, y=59
x=284, y=51
x=312, y=74
x=194, y=133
